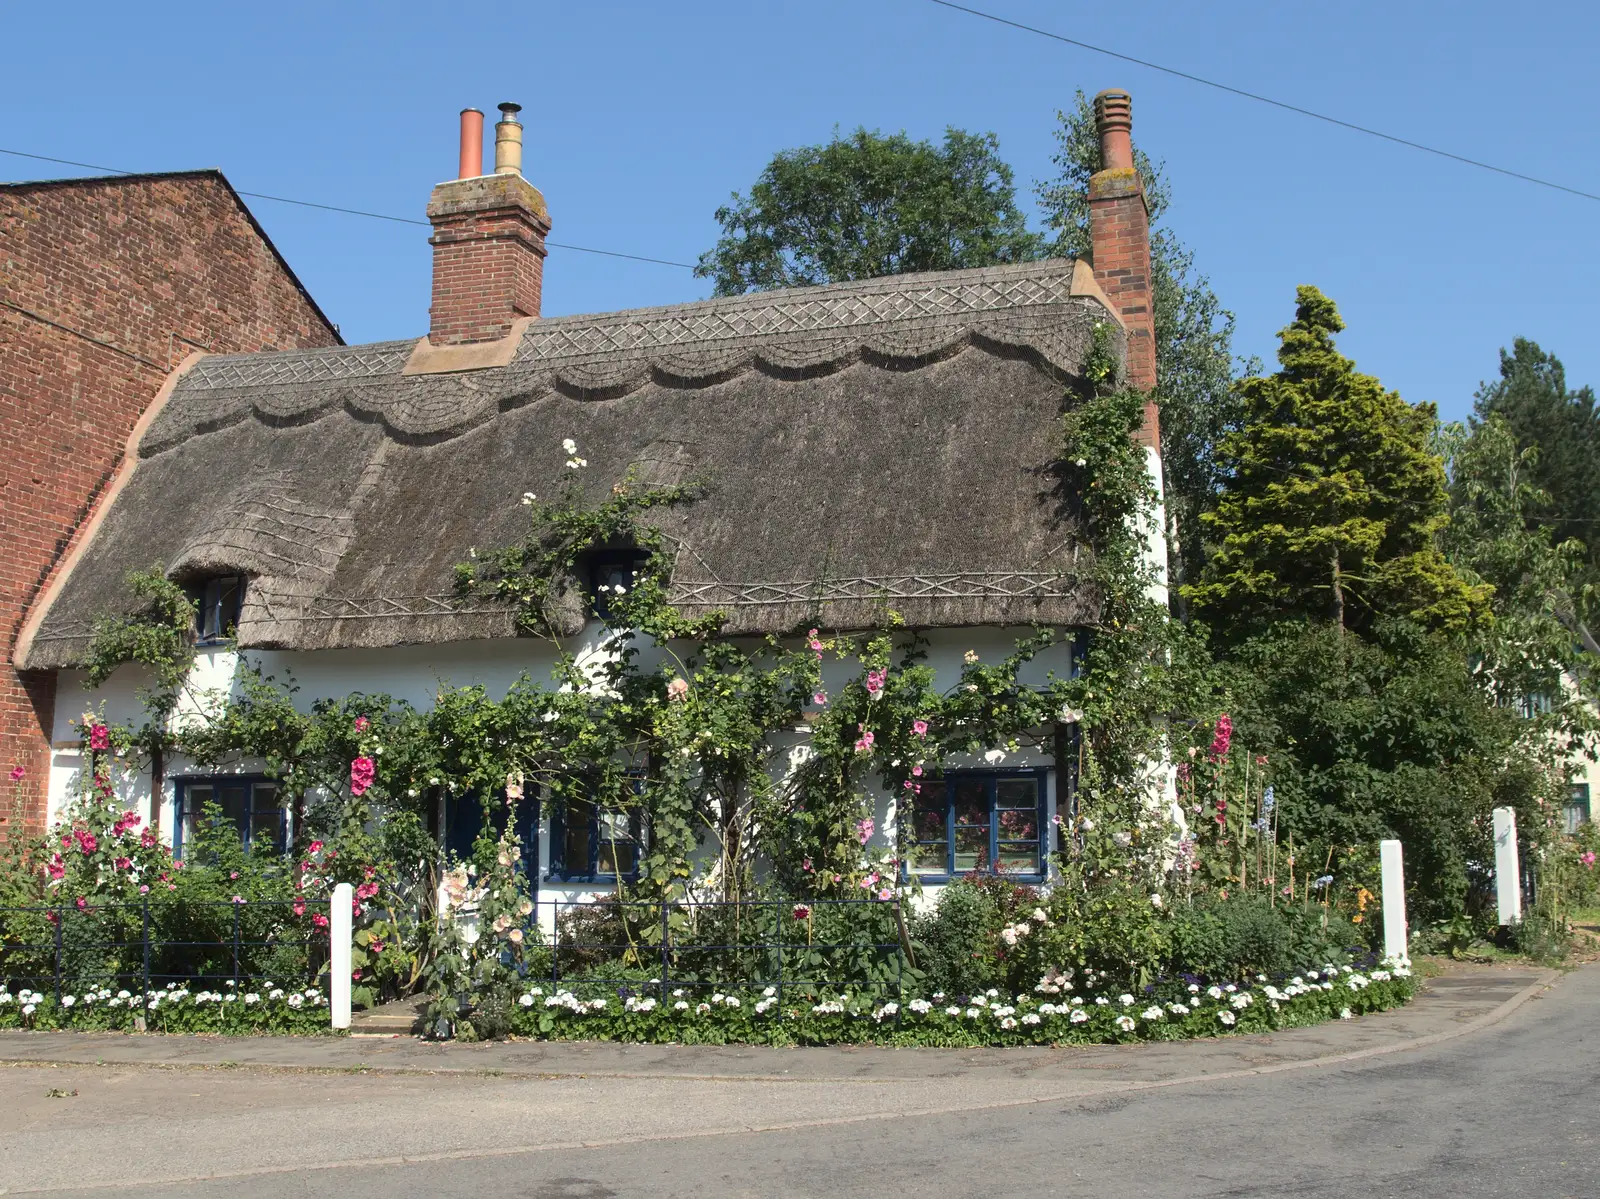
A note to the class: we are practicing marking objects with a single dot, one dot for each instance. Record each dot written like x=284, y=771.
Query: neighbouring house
x=106, y=286
x=881, y=441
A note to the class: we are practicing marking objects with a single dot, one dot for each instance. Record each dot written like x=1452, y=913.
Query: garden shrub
x=957, y=941
x=1255, y=938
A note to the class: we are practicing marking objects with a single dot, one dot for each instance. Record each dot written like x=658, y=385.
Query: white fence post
x=1394, y=902
x=340, y=910
x=1507, y=870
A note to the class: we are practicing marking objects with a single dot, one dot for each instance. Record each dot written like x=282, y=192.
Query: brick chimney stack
x=488, y=239
x=1119, y=238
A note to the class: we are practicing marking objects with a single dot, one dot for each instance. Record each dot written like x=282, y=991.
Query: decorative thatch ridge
x=889, y=442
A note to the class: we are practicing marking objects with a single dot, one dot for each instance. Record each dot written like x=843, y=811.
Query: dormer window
x=612, y=574
x=217, y=605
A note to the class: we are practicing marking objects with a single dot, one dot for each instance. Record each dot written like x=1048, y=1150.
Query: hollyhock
x=677, y=689
x=99, y=737
x=362, y=772
x=362, y=724
x=17, y=774
x=864, y=828
x=299, y=905
x=820, y=697
x=875, y=683
x=920, y=728
x=1222, y=739
x=314, y=847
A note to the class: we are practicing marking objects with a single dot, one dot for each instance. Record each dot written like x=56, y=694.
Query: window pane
x=195, y=800
x=971, y=803
x=234, y=800
x=575, y=836
x=618, y=854
x=265, y=816
x=929, y=852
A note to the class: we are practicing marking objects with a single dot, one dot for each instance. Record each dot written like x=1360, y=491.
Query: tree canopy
x=868, y=205
x=1563, y=426
x=1333, y=501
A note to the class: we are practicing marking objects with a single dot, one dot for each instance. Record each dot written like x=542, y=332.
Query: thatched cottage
x=881, y=440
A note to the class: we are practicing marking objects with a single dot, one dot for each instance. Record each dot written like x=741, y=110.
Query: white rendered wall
x=416, y=674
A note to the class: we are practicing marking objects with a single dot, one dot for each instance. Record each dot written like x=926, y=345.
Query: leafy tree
x=1194, y=333
x=1539, y=591
x=1333, y=502
x=1564, y=426
x=1390, y=735
x=867, y=205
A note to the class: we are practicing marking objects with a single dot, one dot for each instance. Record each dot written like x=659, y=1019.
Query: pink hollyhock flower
x=99, y=737
x=318, y=919
x=17, y=774
x=812, y=642
x=82, y=903
x=238, y=899
x=875, y=683
x=820, y=697
x=148, y=839
x=864, y=743
x=144, y=888
x=362, y=772
x=677, y=690
x=806, y=865
x=1223, y=738
x=802, y=911
x=886, y=893
x=919, y=727
x=299, y=906
x=362, y=724
x=316, y=847
x=233, y=874
x=916, y=771
x=87, y=841
x=123, y=863
x=1588, y=859
x=355, y=976
x=864, y=829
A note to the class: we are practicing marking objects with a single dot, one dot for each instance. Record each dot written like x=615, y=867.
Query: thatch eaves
x=884, y=443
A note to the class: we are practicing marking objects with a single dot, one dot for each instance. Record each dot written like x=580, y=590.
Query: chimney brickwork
x=1119, y=237
x=488, y=243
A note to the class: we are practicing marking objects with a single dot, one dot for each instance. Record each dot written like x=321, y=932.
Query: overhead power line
x=1287, y=107
x=376, y=216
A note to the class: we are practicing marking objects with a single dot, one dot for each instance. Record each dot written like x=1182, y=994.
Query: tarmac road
x=1454, y=1096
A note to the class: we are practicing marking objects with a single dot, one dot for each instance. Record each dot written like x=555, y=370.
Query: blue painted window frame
x=182, y=784
x=560, y=869
x=463, y=816
x=991, y=779
x=1576, y=812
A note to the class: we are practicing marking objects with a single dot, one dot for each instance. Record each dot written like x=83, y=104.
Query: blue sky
x=643, y=117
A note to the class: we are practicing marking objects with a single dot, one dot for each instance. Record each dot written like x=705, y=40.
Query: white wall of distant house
x=416, y=673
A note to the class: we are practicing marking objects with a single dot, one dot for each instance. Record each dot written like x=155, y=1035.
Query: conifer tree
x=1333, y=501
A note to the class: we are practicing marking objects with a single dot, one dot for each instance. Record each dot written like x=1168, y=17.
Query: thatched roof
x=889, y=441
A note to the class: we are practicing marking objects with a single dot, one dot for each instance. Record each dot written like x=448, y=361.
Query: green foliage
x=1539, y=587
x=160, y=636
x=1333, y=503
x=868, y=205
x=958, y=942
x=541, y=574
x=1195, y=364
x=1389, y=736
x=1563, y=426
x=1061, y=1012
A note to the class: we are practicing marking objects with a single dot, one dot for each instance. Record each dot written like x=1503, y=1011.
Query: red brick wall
x=488, y=257
x=105, y=285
